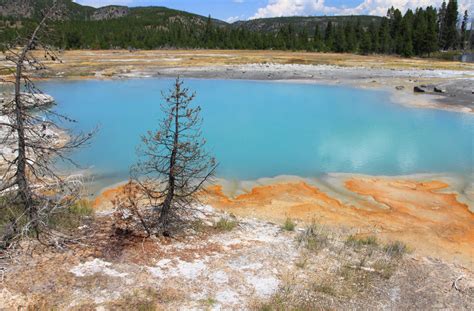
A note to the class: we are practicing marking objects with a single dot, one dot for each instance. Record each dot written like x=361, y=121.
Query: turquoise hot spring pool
x=265, y=129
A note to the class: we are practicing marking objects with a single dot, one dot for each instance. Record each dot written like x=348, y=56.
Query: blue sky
x=232, y=10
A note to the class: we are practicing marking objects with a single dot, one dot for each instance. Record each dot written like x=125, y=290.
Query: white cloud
x=101, y=3
x=276, y=8
x=234, y=19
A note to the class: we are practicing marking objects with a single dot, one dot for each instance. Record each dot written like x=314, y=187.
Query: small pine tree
x=173, y=165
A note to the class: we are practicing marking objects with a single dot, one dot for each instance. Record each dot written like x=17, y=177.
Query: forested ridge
x=414, y=33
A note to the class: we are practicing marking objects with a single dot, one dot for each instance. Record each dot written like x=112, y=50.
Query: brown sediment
x=424, y=215
x=104, y=200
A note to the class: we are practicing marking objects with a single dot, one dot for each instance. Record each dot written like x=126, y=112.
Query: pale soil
x=257, y=264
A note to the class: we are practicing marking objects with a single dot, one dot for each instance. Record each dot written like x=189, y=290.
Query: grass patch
x=60, y=219
x=148, y=299
x=385, y=268
x=324, y=288
x=355, y=241
x=302, y=262
x=313, y=238
x=209, y=302
x=396, y=249
x=70, y=218
x=289, y=225
x=225, y=224
x=199, y=226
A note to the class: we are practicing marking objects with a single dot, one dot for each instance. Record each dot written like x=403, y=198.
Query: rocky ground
x=42, y=132
x=222, y=262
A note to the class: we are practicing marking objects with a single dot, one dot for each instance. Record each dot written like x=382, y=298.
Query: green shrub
x=289, y=225
x=225, y=224
x=13, y=218
x=447, y=55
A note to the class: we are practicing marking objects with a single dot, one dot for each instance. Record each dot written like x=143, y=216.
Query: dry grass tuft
x=314, y=238
x=357, y=242
x=147, y=299
x=225, y=224
x=396, y=249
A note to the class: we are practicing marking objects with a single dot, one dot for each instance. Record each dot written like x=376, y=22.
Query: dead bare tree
x=31, y=191
x=173, y=165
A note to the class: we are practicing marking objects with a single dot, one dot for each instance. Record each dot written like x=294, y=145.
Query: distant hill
x=272, y=25
x=32, y=9
x=69, y=10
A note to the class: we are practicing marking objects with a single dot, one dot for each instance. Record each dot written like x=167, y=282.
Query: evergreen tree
x=303, y=39
x=374, y=37
x=427, y=31
x=450, y=38
x=406, y=44
x=351, y=39
x=366, y=43
x=384, y=37
x=339, y=40
x=329, y=36
x=465, y=21
x=317, y=39
x=442, y=25
x=208, y=33
x=420, y=31
x=431, y=37
x=395, y=18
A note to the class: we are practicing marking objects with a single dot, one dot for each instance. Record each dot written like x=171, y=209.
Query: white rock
x=96, y=266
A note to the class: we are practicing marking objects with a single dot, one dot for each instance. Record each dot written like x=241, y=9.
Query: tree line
x=415, y=33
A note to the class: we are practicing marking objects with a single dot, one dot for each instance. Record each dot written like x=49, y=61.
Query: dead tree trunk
x=31, y=191
x=22, y=183
x=171, y=178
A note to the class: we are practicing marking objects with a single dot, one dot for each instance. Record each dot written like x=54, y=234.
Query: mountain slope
x=270, y=25
x=33, y=9
x=69, y=10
